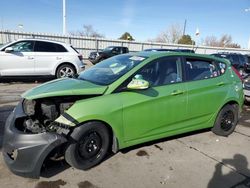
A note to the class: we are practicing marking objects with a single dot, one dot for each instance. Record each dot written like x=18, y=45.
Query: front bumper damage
x=24, y=153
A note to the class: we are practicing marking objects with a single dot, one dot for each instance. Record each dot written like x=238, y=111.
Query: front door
x=18, y=62
x=159, y=110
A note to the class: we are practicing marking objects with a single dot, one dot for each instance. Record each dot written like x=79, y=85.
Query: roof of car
x=43, y=40
x=164, y=53
x=156, y=54
x=117, y=46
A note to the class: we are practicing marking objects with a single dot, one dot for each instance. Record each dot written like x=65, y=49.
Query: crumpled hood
x=64, y=87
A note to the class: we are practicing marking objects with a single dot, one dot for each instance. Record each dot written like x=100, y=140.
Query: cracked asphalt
x=196, y=160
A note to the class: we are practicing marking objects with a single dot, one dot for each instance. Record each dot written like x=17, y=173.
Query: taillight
x=237, y=73
x=80, y=57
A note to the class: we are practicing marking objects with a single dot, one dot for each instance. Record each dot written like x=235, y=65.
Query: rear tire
x=91, y=144
x=226, y=120
x=65, y=70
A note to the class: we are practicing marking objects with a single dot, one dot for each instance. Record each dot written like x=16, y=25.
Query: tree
x=224, y=41
x=126, y=36
x=186, y=39
x=88, y=31
x=171, y=35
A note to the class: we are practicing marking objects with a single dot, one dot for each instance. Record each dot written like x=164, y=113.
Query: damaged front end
x=47, y=115
x=33, y=130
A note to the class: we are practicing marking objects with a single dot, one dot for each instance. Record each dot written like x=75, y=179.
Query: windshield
x=2, y=45
x=108, y=48
x=109, y=70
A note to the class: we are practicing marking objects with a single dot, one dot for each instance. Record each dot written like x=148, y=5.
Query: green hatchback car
x=123, y=101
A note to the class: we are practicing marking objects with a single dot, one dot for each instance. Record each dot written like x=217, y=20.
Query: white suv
x=29, y=57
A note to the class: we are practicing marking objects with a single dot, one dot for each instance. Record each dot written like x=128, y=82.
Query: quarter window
x=197, y=69
x=162, y=71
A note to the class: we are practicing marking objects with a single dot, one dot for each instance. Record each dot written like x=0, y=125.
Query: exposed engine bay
x=42, y=113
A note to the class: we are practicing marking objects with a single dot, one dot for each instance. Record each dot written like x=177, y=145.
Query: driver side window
x=162, y=71
x=24, y=46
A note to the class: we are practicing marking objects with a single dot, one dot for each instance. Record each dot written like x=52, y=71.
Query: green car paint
x=138, y=116
x=64, y=87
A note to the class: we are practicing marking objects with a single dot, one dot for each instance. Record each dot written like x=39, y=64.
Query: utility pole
x=64, y=17
x=1, y=31
x=249, y=43
x=184, y=28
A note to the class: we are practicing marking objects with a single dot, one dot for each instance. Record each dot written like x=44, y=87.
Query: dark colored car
x=248, y=63
x=246, y=88
x=169, y=50
x=238, y=61
x=96, y=57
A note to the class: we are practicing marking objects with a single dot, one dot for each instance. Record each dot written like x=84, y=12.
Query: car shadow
x=51, y=168
x=245, y=117
x=154, y=142
x=239, y=166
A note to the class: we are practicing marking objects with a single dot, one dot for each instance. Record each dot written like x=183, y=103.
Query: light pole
x=1, y=31
x=248, y=10
x=197, y=33
x=64, y=17
x=20, y=26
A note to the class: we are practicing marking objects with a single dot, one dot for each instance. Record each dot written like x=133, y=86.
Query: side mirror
x=138, y=84
x=9, y=50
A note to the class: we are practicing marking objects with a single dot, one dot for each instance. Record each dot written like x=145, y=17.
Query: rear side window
x=60, y=48
x=41, y=46
x=199, y=69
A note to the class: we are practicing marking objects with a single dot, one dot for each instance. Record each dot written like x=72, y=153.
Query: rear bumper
x=24, y=153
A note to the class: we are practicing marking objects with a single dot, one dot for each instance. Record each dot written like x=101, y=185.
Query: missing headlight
x=29, y=107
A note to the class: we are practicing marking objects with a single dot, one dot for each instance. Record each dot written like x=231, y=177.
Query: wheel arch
x=231, y=102
x=114, y=147
x=234, y=103
x=65, y=63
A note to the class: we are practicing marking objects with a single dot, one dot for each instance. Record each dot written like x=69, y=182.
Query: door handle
x=29, y=57
x=177, y=92
x=220, y=84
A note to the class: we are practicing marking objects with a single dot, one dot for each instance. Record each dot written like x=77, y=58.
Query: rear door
x=47, y=56
x=20, y=61
x=206, y=90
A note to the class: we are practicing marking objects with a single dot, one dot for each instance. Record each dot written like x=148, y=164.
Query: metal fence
x=87, y=44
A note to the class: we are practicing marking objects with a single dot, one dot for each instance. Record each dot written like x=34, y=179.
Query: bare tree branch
x=171, y=35
x=88, y=31
x=224, y=41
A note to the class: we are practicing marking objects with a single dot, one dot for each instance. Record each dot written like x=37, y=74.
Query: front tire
x=90, y=145
x=65, y=70
x=226, y=120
